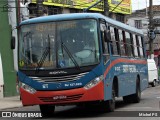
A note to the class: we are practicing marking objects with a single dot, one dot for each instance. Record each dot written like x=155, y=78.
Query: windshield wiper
x=44, y=55
x=69, y=54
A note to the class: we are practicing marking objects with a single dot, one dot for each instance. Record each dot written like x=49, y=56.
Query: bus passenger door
x=105, y=35
x=105, y=41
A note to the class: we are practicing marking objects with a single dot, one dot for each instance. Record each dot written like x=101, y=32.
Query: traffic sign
x=151, y=34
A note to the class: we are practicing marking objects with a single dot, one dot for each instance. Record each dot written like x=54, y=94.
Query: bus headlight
x=94, y=82
x=27, y=88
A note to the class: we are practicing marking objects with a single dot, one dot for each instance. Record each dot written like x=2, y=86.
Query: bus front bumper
x=72, y=96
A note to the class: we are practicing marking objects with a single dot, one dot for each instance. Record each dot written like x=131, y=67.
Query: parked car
x=152, y=72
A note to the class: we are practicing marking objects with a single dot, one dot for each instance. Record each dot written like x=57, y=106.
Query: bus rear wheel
x=137, y=96
x=47, y=110
x=134, y=97
x=127, y=99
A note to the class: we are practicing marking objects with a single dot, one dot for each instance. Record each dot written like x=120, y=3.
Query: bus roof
x=73, y=16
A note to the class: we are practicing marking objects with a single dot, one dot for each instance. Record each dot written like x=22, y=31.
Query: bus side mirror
x=107, y=35
x=13, y=42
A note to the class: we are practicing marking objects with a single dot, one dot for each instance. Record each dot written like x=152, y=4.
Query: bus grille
x=58, y=79
x=67, y=98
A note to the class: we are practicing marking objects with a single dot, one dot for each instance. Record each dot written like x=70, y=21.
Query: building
x=8, y=82
x=140, y=20
x=51, y=7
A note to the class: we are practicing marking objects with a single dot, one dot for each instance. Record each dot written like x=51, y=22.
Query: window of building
x=138, y=24
x=120, y=17
x=54, y=10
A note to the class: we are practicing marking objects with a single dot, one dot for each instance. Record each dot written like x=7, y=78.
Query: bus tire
x=134, y=97
x=109, y=105
x=127, y=99
x=47, y=110
x=137, y=96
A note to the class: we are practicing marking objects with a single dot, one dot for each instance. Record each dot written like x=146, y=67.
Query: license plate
x=59, y=97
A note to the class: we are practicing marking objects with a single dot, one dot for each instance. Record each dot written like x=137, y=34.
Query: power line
x=116, y=6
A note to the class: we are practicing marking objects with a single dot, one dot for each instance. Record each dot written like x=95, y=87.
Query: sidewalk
x=10, y=102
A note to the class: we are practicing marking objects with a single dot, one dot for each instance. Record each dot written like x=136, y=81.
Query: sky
x=140, y=4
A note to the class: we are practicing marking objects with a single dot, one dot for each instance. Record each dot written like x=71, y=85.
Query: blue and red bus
x=80, y=58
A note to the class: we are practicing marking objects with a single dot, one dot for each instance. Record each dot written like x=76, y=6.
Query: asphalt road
x=150, y=102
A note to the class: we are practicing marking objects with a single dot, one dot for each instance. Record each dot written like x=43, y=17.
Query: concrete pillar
x=13, y=22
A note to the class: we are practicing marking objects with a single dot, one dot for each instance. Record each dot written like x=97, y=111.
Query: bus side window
x=132, y=44
x=122, y=46
x=141, y=47
x=142, y=41
x=117, y=40
x=124, y=42
x=128, y=44
x=114, y=42
x=137, y=41
x=135, y=46
x=104, y=41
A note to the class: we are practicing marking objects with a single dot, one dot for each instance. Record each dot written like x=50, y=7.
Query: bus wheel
x=137, y=96
x=127, y=99
x=47, y=110
x=109, y=105
x=134, y=97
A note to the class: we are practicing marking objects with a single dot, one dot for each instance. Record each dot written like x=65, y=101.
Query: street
x=150, y=102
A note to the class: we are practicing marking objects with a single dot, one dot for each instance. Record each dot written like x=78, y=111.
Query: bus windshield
x=62, y=44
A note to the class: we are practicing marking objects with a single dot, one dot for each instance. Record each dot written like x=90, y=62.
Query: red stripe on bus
x=121, y=60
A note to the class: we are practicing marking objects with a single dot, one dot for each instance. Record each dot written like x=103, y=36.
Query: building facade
x=140, y=20
x=48, y=7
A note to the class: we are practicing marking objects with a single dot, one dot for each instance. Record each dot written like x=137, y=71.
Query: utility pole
x=151, y=29
x=146, y=9
x=39, y=7
x=106, y=8
x=86, y=9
